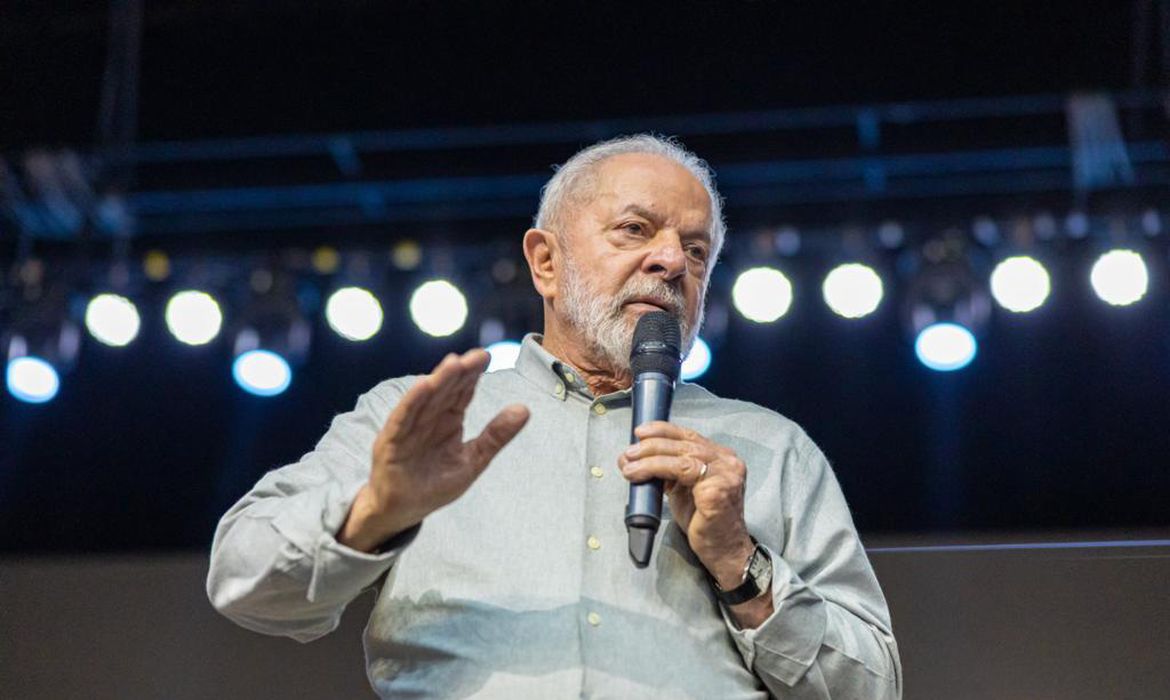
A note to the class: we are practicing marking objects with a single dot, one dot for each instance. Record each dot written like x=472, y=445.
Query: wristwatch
x=757, y=578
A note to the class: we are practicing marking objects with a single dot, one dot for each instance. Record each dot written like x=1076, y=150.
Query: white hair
x=574, y=179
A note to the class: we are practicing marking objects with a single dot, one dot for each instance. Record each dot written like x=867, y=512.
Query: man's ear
x=541, y=249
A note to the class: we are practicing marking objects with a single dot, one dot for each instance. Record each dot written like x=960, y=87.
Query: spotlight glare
x=438, y=308
x=1020, y=284
x=194, y=317
x=697, y=361
x=1120, y=277
x=852, y=290
x=945, y=347
x=762, y=294
x=262, y=372
x=32, y=380
x=354, y=313
x=503, y=354
x=112, y=319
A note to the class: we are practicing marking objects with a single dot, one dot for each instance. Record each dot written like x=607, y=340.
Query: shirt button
x=599, y=409
x=593, y=543
x=559, y=390
x=597, y=472
x=594, y=619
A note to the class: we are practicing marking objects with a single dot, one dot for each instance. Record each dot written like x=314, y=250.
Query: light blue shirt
x=523, y=587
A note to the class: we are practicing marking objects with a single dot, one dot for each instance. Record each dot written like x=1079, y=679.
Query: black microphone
x=654, y=361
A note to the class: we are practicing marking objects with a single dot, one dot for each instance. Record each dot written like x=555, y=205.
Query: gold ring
x=702, y=471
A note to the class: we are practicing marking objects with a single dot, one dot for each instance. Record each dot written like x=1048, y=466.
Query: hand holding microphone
x=705, y=480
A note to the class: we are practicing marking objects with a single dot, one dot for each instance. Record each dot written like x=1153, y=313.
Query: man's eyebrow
x=645, y=213
x=640, y=211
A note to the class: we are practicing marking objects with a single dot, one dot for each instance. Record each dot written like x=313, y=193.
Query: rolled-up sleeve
x=830, y=634
x=276, y=566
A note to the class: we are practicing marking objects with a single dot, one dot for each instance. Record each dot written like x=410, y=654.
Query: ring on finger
x=702, y=471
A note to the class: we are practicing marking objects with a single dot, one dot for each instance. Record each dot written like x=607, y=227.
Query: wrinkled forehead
x=650, y=183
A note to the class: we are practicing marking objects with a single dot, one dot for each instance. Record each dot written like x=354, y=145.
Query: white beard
x=601, y=321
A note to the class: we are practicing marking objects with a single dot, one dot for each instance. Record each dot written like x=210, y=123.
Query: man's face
x=641, y=242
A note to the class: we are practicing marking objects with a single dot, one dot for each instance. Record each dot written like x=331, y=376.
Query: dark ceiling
x=238, y=68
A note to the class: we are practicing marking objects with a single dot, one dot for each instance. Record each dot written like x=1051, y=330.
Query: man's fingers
x=662, y=429
x=499, y=432
x=685, y=470
x=404, y=416
x=447, y=380
x=659, y=446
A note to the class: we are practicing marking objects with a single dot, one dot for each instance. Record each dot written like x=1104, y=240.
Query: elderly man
x=487, y=510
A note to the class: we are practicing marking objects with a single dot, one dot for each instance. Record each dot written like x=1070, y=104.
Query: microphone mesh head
x=657, y=345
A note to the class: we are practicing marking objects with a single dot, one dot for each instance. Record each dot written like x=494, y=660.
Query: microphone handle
x=651, y=397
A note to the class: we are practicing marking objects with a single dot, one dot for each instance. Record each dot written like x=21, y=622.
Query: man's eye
x=698, y=252
x=634, y=227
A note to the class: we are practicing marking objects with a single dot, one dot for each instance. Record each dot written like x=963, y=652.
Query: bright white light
x=1119, y=277
x=852, y=290
x=354, y=313
x=945, y=347
x=112, y=319
x=32, y=380
x=503, y=354
x=262, y=372
x=1020, y=284
x=762, y=294
x=194, y=317
x=697, y=361
x=438, y=308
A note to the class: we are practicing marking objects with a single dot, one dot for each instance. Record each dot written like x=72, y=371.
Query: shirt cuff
x=338, y=572
x=786, y=644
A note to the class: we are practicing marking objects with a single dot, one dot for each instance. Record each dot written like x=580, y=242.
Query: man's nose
x=667, y=259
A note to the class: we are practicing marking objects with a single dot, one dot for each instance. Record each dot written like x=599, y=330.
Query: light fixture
x=762, y=294
x=354, y=313
x=112, y=319
x=946, y=306
x=193, y=317
x=272, y=339
x=697, y=361
x=852, y=290
x=945, y=347
x=503, y=355
x=438, y=308
x=1119, y=277
x=1020, y=284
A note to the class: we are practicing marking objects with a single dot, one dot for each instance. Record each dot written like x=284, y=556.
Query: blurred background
x=947, y=260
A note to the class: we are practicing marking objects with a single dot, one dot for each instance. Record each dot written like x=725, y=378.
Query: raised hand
x=420, y=462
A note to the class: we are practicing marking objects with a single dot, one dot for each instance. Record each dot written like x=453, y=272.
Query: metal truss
x=770, y=164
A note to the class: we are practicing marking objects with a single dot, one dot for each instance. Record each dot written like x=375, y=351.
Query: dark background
x=1060, y=423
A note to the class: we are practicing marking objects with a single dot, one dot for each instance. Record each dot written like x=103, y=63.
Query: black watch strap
x=757, y=569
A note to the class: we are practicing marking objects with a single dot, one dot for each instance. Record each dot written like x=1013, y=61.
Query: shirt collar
x=544, y=369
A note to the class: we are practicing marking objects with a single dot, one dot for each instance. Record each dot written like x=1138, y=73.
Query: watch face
x=760, y=569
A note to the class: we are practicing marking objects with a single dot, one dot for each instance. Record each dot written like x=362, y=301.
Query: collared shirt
x=523, y=587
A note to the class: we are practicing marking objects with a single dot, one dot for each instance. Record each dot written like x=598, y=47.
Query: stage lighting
x=32, y=379
x=852, y=290
x=1119, y=277
x=1020, y=284
x=354, y=313
x=112, y=319
x=262, y=372
x=697, y=361
x=40, y=345
x=503, y=354
x=945, y=347
x=273, y=338
x=438, y=308
x=194, y=317
x=762, y=294
x=947, y=305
